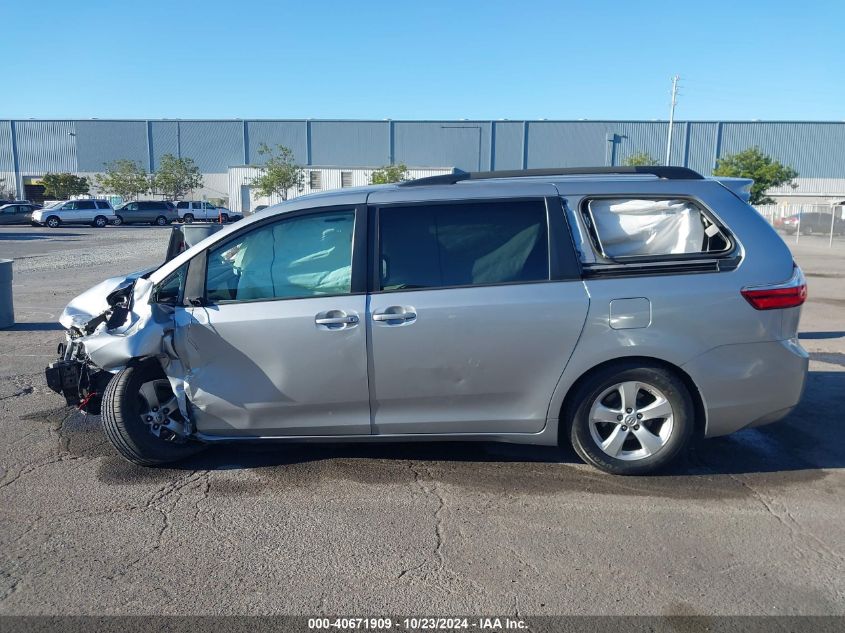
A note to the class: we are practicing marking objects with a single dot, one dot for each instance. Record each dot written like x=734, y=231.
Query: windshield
x=53, y=205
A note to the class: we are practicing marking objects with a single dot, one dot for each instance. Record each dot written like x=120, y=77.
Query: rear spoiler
x=740, y=187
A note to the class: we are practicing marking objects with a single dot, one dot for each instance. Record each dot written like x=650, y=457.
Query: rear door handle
x=396, y=313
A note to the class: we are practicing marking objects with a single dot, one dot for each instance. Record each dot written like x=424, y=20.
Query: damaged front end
x=111, y=326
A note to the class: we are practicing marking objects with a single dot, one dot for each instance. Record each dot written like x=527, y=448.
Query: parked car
x=16, y=213
x=812, y=223
x=98, y=213
x=158, y=212
x=620, y=310
x=191, y=210
x=229, y=215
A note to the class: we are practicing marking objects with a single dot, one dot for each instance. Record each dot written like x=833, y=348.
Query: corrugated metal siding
x=291, y=134
x=213, y=145
x=566, y=144
x=813, y=186
x=813, y=149
x=702, y=147
x=508, y=145
x=453, y=143
x=100, y=142
x=7, y=161
x=354, y=143
x=165, y=140
x=46, y=146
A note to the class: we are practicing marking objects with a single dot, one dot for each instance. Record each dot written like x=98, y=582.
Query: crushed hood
x=93, y=301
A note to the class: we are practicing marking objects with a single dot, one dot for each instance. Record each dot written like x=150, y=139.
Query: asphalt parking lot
x=753, y=523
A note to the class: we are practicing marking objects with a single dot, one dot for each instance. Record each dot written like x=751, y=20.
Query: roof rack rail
x=458, y=175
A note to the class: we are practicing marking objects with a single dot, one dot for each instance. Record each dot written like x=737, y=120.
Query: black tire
x=161, y=221
x=224, y=218
x=578, y=413
x=123, y=425
x=100, y=222
x=188, y=218
x=53, y=222
x=117, y=221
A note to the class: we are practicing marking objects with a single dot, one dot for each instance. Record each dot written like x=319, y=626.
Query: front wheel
x=630, y=420
x=140, y=414
x=188, y=218
x=117, y=221
x=53, y=222
x=224, y=218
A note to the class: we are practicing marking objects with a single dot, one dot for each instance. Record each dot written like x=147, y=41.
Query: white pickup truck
x=191, y=210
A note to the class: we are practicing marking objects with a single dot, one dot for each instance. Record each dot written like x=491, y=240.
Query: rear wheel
x=188, y=218
x=100, y=221
x=53, y=222
x=224, y=218
x=140, y=415
x=161, y=220
x=631, y=420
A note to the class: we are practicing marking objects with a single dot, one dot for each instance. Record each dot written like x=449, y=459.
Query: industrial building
x=347, y=150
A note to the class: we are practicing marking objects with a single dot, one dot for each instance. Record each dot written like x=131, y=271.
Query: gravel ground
x=752, y=524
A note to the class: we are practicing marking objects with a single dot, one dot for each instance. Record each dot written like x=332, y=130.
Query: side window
x=182, y=205
x=303, y=256
x=103, y=205
x=69, y=206
x=132, y=207
x=463, y=244
x=9, y=209
x=85, y=205
x=640, y=227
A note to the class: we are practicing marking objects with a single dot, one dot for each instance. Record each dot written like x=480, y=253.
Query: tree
x=762, y=168
x=278, y=174
x=389, y=173
x=63, y=186
x=7, y=192
x=176, y=177
x=641, y=159
x=124, y=178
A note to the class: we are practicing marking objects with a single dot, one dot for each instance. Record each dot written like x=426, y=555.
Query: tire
x=53, y=222
x=100, y=222
x=601, y=396
x=188, y=218
x=224, y=218
x=117, y=221
x=123, y=426
x=161, y=221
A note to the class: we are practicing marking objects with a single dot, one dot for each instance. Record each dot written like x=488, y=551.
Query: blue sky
x=424, y=59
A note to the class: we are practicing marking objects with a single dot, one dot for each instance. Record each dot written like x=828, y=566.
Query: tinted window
x=463, y=244
x=85, y=204
x=103, y=205
x=182, y=205
x=298, y=257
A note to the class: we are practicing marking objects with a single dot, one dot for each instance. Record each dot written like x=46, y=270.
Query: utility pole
x=675, y=81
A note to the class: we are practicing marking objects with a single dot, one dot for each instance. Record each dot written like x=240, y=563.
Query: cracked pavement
x=751, y=524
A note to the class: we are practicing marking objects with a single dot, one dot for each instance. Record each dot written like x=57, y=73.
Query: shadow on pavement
x=34, y=326
x=820, y=335
x=30, y=235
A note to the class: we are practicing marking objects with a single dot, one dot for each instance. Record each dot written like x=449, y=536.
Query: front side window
x=632, y=227
x=169, y=291
x=304, y=256
x=447, y=244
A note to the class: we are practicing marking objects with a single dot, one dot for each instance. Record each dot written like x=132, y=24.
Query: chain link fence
x=806, y=219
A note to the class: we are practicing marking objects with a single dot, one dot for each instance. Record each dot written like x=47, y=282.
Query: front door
x=472, y=321
x=278, y=346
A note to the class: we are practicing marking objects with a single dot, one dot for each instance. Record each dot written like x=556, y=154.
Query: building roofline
x=486, y=121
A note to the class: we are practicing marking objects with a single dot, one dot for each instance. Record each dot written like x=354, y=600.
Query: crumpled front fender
x=140, y=337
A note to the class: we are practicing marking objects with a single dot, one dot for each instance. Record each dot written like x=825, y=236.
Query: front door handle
x=344, y=320
x=396, y=313
x=335, y=320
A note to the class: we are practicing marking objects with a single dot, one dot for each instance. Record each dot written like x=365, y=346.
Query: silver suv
x=97, y=213
x=620, y=310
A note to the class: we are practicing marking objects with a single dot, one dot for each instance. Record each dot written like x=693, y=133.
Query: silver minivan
x=623, y=311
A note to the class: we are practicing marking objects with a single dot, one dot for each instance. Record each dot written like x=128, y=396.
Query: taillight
x=789, y=294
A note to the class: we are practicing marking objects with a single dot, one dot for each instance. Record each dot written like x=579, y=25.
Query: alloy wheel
x=631, y=420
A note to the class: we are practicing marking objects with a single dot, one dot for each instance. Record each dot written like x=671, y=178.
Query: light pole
x=675, y=81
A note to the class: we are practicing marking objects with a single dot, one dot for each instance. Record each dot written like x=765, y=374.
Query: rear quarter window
x=645, y=228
